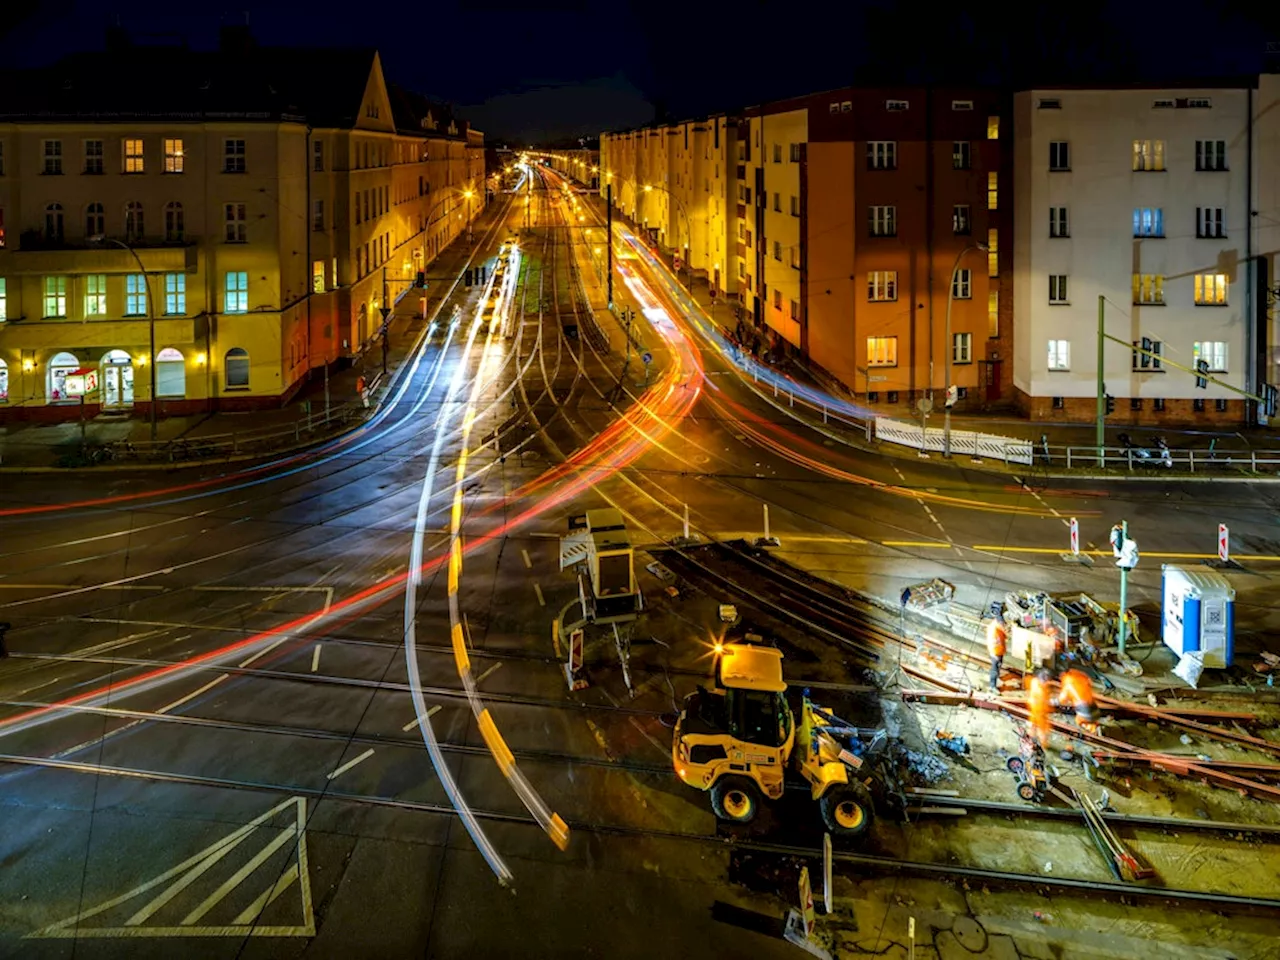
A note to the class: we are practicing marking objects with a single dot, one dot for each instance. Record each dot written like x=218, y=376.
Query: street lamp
x=468, y=194
x=151, y=318
x=947, y=346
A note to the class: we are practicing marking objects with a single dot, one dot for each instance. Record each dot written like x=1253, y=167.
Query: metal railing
x=1154, y=460
x=309, y=427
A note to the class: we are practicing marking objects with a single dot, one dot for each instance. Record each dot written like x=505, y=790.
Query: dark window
x=1220, y=404
x=1135, y=403
x=873, y=396
x=1158, y=404
x=893, y=396
x=1059, y=403
x=1198, y=405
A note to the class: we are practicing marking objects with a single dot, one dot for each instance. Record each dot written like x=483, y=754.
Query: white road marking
x=527, y=562
x=351, y=763
x=538, y=590
x=414, y=722
x=191, y=870
x=315, y=659
x=327, y=591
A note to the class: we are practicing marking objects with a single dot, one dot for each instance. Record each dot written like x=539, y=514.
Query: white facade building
x=1143, y=197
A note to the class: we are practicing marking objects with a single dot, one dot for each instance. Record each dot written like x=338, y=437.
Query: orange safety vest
x=1076, y=690
x=997, y=638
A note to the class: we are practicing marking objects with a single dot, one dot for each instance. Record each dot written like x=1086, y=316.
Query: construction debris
x=924, y=766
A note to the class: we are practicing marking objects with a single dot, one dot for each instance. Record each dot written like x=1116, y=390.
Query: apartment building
x=1149, y=199
x=581, y=163
x=855, y=206
x=242, y=208
x=677, y=183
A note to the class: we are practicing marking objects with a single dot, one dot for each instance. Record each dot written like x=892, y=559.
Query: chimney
x=117, y=38
x=234, y=39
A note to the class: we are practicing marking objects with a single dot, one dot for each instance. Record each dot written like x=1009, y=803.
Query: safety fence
x=970, y=443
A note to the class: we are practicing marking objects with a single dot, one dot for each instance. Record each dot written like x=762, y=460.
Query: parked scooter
x=1159, y=457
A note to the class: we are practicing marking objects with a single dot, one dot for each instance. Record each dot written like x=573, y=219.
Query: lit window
x=896, y=106
x=1211, y=289
x=1146, y=354
x=993, y=313
x=993, y=190
x=882, y=351
x=960, y=222
x=171, y=373
x=53, y=156
x=133, y=159
x=882, y=154
x=882, y=285
x=173, y=155
x=175, y=294
x=1058, y=288
x=961, y=104
x=1059, y=354
x=962, y=348
x=235, y=216
x=960, y=155
x=962, y=285
x=1209, y=222
x=317, y=276
x=1148, y=222
x=95, y=295
x=237, y=292
x=795, y=309
x=993, y=252
x=1148, y=288
x=993, y=128
x=883, y=221
x=93, y=157
x=1058, y=222
x=1213, y=352
x=233, y=156
x=135, y=295
x=1211, y=154
x=55, y=296
x=1148, y=155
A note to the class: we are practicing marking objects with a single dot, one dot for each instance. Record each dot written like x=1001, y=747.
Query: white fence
x=963, y=442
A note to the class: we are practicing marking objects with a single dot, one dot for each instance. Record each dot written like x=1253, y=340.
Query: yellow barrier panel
x=559, y=832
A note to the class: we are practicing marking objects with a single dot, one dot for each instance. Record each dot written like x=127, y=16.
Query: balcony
x=37, y=254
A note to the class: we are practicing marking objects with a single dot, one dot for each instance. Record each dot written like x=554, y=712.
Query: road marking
x=315, y=659
x=187, y=873
x=538, y=590
x=528, y=564
x=414, y=722
x=327, y=591
x=480, y=679
x=913, y=543
x=63, y=586
x=351, y=763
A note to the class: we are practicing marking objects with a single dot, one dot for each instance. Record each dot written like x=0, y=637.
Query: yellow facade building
x=248, y=210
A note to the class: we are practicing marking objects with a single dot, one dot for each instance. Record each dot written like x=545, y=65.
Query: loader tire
x=847, y=810
x=736, y=799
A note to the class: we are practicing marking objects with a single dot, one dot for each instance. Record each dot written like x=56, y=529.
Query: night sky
x=546, y=71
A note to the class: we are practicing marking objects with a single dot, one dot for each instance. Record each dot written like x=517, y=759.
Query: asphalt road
x=207, y=723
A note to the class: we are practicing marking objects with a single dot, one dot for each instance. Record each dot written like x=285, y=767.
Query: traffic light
x=1111, y=404
x=1202, y=367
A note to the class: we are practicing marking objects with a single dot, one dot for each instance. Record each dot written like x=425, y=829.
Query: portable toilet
x=1198, y=614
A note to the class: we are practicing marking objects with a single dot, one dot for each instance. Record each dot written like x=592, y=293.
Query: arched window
x=53, y=223
x=237, y=367
x=59, y=367
x=133, y=222
x=171, y=373
x=95, y=220
x=4, y=382
x=173, y=222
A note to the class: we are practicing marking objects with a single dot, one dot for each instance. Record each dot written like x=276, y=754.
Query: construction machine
x=740, y=739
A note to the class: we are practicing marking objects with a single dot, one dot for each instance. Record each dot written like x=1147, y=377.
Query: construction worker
x=1075, y=692
x=1038, y=705
x=997, y=645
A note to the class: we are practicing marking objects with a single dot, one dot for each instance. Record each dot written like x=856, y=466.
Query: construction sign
x=806, y=902
x=1224, y=543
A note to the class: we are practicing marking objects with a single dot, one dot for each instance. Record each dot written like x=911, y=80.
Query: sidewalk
x=295, y=425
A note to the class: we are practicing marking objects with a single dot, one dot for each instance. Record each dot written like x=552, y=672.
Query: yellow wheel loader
x=739, y=739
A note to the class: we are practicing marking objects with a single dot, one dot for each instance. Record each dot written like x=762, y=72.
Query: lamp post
x=469, y=194
x=151, y=319
x=688, y=226
x=951, y=291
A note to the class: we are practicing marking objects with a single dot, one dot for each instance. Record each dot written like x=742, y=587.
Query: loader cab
x=741, y=727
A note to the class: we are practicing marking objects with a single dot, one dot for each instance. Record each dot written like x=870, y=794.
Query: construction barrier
x=963, y=442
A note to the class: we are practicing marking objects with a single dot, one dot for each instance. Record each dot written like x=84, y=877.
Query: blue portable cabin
x=1198, y=613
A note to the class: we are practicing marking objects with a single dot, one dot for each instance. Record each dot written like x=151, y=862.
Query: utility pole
x=1126, y=552
x=1101, y=437
x=608, y=229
